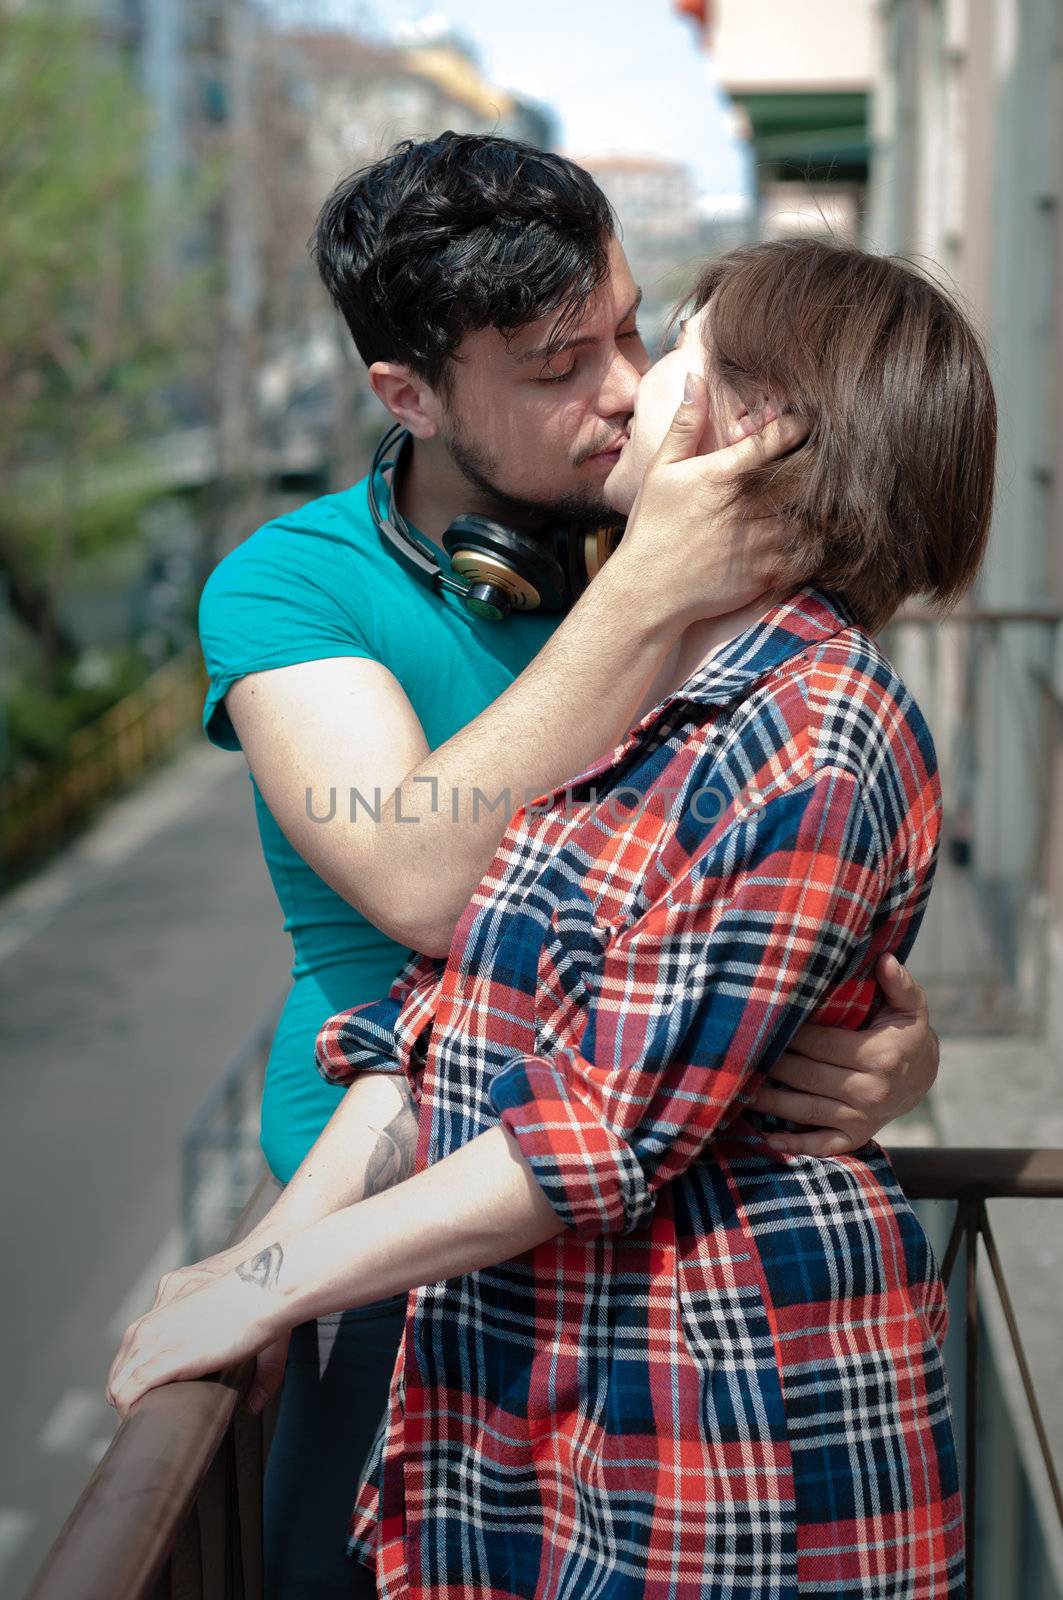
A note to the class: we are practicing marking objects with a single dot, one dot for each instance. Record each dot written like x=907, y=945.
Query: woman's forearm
x=367, y=1146
x=477, y=1207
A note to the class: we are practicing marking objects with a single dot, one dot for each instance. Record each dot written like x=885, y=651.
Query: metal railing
x=971, y=1177
x=43, y=807
x=221, y=1157
x=174, y=1509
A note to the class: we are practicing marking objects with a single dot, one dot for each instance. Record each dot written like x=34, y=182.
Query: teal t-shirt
x=314, y=583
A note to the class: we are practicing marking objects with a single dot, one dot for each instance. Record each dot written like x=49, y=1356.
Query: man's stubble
x=580, y=509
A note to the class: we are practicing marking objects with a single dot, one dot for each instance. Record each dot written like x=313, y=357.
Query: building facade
x=798, y=74
x=968, y=176
x=656, y=206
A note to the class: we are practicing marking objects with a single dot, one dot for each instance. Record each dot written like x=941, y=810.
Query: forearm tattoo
x=393, y=1155
x=264, y=1268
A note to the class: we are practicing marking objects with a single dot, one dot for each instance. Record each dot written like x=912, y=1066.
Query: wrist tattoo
x=264, y=1268
x=393, y=1155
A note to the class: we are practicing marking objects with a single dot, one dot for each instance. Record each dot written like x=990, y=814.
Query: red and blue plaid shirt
x=723, y=1377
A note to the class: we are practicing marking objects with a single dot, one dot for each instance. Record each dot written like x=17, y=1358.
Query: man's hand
x=684, y=541
x=846, y=1084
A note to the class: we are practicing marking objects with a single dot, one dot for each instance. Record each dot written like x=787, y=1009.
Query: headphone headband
x=391, y=525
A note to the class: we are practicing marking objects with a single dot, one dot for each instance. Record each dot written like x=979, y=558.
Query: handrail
x=993, y=616
x=128, y=1520
x=971, y=1177
x=970, y=1173
x=140, y=1532
x=124, y=1527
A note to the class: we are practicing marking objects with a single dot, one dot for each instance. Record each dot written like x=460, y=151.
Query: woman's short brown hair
x=891, y=494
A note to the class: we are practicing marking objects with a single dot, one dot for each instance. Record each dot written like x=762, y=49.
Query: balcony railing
x=43, y=806
x=174, y=1508
x=990, y=683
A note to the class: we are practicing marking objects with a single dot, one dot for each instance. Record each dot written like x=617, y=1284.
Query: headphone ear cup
x=584, y=553
x=484, y=552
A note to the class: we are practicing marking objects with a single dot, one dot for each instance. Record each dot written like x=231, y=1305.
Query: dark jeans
x=335, y=1392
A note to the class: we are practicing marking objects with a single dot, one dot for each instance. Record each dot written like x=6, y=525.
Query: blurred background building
x=801, y=92
x=968, y=177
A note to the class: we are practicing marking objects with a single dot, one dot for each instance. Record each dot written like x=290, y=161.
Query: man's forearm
x=479, y=1206
x=574, y=702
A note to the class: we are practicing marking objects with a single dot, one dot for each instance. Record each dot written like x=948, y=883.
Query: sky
x=622, y=75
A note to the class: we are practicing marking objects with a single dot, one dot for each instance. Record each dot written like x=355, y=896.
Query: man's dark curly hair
x=447, y=236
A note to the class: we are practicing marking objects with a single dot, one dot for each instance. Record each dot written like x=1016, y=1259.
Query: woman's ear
x=740, y=428
x=751, y=419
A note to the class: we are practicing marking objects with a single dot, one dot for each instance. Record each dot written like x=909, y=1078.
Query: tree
x=92, y=341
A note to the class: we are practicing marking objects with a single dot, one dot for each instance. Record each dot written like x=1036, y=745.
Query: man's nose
x=620, y=387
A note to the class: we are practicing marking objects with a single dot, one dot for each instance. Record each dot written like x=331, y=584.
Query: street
x=130, y=972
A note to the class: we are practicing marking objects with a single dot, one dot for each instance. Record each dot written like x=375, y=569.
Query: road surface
x=130, y=972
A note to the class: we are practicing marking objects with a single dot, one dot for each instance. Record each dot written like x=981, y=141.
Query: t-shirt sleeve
x=274, y=601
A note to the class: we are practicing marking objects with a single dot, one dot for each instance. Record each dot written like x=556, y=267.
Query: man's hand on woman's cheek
x=845, y=1085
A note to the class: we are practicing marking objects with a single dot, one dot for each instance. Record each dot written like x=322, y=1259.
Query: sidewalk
x=130, y=971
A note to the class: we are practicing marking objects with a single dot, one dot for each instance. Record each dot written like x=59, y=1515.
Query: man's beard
x=578, y=509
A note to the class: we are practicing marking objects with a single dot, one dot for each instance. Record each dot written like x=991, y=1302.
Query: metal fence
x=43, y=807
x=174, y=1509
x=990, y=683
x=221, y=1158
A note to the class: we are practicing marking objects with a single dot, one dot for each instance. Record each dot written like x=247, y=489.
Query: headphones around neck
x=494, y=569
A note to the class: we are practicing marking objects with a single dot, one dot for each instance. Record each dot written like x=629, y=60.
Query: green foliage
x=39, y=531
x=108, y=294
x=39, y=724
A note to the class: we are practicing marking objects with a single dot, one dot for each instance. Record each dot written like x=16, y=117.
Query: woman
x=648, y=1354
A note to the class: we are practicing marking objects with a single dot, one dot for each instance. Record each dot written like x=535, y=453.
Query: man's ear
x=410, y=400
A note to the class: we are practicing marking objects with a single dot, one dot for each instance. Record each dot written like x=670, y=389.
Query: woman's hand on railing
x=270, y=1363
x=186, y=1280
x=190, y=1280
x=198, y=1274
x=227, y=1320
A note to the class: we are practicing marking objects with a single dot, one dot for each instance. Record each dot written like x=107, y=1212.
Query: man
x=487, y=293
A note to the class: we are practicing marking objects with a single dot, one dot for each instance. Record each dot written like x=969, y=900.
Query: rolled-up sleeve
x=694, y=1003
x=376, y=1036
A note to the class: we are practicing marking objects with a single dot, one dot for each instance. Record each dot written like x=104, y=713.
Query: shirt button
x=754, y=797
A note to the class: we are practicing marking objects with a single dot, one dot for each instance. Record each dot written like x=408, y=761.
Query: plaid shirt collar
x=810, y=616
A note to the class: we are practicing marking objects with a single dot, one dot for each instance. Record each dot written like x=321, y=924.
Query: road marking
x=74, y=1421
x=141, y=1296
x=14, y=1531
